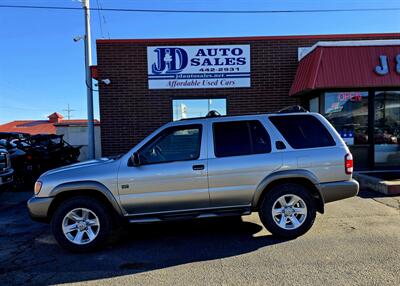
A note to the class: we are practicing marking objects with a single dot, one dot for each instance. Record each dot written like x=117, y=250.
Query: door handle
x=198, y=167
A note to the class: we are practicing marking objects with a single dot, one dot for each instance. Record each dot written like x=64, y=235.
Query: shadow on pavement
x=29, y=254
x=368, y=194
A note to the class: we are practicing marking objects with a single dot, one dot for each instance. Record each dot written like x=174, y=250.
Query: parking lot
x=356, y=242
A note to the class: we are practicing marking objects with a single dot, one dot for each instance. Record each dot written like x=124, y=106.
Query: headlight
x=38, y=187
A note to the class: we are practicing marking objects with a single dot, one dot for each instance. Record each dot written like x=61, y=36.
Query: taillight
x=348, y=164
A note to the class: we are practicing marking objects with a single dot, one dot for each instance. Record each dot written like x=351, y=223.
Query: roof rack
x=213, y=113
x=210, y=114
x=293, y=109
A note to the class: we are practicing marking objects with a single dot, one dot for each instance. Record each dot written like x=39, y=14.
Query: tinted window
x=173, y=144
x=260, y=138
x=303, y=131
x=240, y=138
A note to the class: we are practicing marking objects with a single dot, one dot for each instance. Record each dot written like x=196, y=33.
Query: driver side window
x=180, y=143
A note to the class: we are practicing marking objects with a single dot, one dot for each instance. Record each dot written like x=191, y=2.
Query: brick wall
x=129, y=111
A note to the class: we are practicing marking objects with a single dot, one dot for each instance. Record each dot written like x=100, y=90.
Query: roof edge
x=76, y=124
x=354, y=43
x=248, y=38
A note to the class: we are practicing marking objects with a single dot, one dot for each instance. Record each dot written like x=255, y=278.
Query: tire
x=71, y=214
x=281, y=222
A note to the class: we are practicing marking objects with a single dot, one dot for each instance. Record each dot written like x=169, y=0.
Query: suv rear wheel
x=81, y=224
x=288, y=210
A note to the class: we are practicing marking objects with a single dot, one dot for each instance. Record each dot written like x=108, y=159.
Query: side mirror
x=135, y=159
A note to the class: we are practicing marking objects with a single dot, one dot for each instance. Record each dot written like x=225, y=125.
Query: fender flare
x=88, y=185
x=288, y=174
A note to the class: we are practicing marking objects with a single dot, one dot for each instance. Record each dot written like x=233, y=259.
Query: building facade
x=146, y=83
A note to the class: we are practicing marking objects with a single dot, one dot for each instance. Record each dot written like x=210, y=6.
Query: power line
x=100, y=20
x=103, y=18
x=69, y=110
x=206, y=11
x=105, y=24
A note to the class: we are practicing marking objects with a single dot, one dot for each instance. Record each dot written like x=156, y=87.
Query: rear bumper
x=38, y=208
x=338, y=190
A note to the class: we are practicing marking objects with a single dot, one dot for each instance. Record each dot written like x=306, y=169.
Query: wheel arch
x=301, y=177
x=86, y=188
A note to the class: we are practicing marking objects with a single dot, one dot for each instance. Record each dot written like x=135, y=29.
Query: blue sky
x=42, y=69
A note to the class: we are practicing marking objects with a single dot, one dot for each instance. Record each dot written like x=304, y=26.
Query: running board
x=190, y=215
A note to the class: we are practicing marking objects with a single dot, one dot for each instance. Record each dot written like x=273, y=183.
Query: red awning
x=343, y=67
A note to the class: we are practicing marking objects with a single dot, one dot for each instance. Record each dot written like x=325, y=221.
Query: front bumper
x=338, y=190
x=6, y=177
x=39, y=208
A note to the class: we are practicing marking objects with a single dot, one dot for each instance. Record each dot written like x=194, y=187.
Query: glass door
x=387, y=129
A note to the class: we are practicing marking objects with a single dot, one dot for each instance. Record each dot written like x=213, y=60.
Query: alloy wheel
x=81, y=226
x=289, y=211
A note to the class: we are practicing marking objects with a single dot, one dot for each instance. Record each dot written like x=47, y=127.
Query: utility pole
x=68, y=110
x=88, y=81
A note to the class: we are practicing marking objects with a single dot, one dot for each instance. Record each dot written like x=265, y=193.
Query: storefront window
x=387, y=128
x=314, y=104
x=189, y=108
x=348, y=113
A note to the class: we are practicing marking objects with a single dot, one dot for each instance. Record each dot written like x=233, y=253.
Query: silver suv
x=284, y=166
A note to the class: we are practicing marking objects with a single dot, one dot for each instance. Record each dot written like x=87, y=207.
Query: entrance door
x=387, y=129
x=172, y=175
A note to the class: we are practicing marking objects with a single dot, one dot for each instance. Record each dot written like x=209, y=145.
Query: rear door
x=240, y=157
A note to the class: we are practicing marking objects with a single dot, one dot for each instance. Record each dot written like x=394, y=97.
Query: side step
x=189, y=215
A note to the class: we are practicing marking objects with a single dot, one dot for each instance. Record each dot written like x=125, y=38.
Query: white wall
x=77, y=135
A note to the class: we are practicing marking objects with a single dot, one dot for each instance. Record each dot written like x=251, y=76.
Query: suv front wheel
x=81, y=224
x=288, y=210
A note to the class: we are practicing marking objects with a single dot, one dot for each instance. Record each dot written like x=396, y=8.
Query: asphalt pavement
x=356, y=242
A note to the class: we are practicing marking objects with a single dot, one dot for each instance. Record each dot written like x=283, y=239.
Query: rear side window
x=237, y=138
x=303, y=131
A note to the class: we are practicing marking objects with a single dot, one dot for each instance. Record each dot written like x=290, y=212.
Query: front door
x=172, y=175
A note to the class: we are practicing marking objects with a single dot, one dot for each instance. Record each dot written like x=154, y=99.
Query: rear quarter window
x=303, y=131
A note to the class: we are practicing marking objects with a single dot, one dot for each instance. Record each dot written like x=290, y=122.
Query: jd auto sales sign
x=176, y=67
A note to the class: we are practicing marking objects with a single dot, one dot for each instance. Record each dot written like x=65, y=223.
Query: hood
x=81, y=165
x=103, y=171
